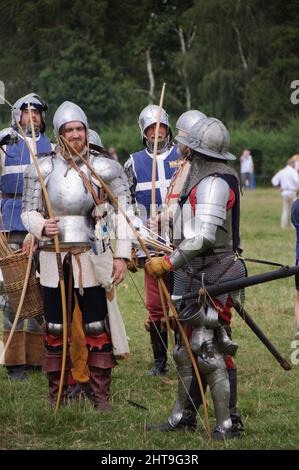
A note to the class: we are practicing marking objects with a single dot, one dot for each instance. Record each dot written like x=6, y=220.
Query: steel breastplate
x=71, y=203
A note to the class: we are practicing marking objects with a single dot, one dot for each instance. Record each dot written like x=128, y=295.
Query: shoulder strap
x=87, y=183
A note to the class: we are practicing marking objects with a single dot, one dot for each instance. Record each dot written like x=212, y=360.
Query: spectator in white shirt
x=246, y=169
x=288, y=183
x=295, y=158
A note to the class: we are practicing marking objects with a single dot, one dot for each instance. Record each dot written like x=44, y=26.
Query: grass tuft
x=268, y=396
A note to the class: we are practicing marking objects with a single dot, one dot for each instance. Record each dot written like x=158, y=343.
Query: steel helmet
x=210, y=137
x=68, y=112
x=31, y=99
x=187, y=120
x=94, y=139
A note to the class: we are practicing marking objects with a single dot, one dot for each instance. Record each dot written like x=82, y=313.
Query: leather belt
x=10, y=196
x=76, y=251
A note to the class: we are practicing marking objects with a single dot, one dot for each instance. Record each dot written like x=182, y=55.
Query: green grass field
x=268, y=396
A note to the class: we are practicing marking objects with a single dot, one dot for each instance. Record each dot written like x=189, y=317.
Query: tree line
x=233, y=59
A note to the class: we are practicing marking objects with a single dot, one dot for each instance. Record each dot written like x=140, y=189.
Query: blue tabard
x=17, y=158
x=167, y=164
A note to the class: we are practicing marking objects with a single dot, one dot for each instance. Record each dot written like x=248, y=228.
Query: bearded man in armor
x=138, y=169
x=73, y=204
x=205, y=234
x=26, y=349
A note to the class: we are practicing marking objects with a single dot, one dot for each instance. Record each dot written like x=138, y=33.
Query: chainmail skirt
x=209, y=270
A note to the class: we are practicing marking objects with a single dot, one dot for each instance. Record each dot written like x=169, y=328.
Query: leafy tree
x=83, y=75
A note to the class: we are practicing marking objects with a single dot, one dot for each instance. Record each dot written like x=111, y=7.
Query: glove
x=8, y=136
x=157, y=266
x=132, y=264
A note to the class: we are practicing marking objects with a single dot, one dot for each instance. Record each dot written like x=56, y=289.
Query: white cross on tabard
x=12, y=169
x=162, y=182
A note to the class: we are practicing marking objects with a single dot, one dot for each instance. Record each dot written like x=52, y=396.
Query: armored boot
x=220, y=391
x=237, y=425
x=100, y=365
x=52, y=367
x=184, y=412
x=159, y=347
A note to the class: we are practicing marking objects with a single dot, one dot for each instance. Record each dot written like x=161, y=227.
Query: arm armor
x=8, y=136
x=32, y=192
x=210, y=213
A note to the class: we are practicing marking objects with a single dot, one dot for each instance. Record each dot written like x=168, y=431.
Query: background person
x=287, y=181
x=26, y=348
x=138, y=169
x=246, y=169
x=113, y=153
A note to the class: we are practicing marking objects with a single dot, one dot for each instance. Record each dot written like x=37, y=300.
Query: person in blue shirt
x=26, y=348
x=138, y=169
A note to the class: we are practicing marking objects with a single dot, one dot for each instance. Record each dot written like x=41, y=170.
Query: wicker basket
x=14, y=269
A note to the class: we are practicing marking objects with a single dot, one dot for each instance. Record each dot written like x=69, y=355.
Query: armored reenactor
x=205, y=253
x=26, y=349
x=95, y=141
x=139, y=171
x=73, y=205
x=184, y=125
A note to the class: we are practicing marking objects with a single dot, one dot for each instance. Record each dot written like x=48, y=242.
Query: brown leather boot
x=54, y=380
x=52, y=366
x=100, y=365
x=100, y=380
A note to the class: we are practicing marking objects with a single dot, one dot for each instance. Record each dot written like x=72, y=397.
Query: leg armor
x=188, y=396
x=212, y=365
x=220, y=391
x=185, y=373
x=95, y=328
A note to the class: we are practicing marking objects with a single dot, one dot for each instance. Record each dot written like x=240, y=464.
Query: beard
x=77, y=145
x=28, y=130
x=163, y=144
